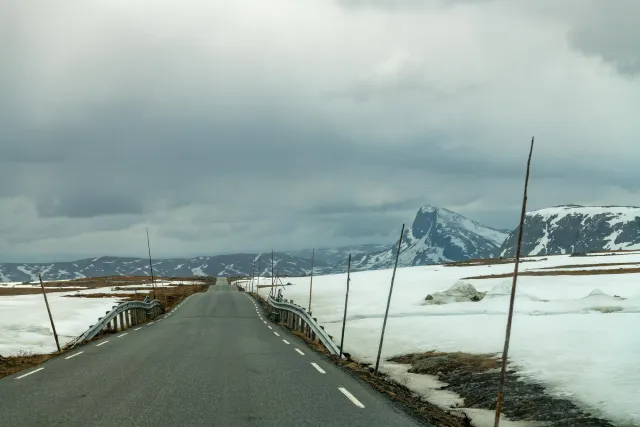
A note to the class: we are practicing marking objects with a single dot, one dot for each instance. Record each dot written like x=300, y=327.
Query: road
x=214, y=360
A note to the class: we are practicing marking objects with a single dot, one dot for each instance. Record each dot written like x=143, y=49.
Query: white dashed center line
x=102, y=343
x=286, y=342
x=277, y=334
x=74, y=355
x=137, y=329
x=351, y=397
x=269, y=327
x=264, y=321
x=319, y=369
x=126, y=333
x=298, y=350
x=32, y=372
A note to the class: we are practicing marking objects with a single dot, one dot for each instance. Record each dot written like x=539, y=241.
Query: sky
x=251, y=125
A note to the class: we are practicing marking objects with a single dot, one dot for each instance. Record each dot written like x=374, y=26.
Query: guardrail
x=298, y=319
x=121, y=317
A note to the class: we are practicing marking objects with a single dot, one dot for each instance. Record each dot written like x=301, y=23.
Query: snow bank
x=25, y=326
x=460, y=292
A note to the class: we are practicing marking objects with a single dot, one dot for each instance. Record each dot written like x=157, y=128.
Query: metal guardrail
x=103, y=322
x=310, y=321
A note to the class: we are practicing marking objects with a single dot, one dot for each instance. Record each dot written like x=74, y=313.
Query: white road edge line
x=150, y=323
x=74, y=355
x=286, y=342
x=277, y=334
x=315, y=365
x=32, y=372
x=137, y=329
x=351, y=397
x=102, y=343
x=298, y=350
x=126, y=333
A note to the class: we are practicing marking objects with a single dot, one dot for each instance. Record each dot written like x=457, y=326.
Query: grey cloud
x=249, y=147
x=609, y=30
x=88, y=205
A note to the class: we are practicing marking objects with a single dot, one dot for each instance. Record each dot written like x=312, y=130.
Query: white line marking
x=137, y=329
x=277, y=334
x=286, y=342
x=150, y=323
x=102, y=343
x=269, y=327
x=351, y=397
x=126, y=333
x=299, y=352
x=32, y=372
x=74, y=355
x=264, y=321
x=315, y=365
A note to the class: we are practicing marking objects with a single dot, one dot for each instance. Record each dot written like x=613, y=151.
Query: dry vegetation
x=168, y=296
x=488, y=261
x=30, y=291
x=606, y=264
x=11, y=365
x=457, y=361
x=560, y=273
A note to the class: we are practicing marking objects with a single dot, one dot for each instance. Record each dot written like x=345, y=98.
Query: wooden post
x=346, y=300
x=503, y=368
x=272, y=276
x=313, y=256
x=153, y=282
x=53, y=326
x=386, y=313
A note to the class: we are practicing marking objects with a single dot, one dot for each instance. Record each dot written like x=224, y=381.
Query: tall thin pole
x=272, y=277
x=503, y=367
x=53, y=326
x=313, y=255
x=153, y=282
x=346, y=301
x=253, y=267
x=386, y=313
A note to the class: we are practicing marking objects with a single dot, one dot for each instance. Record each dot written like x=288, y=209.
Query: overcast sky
x=247, y=125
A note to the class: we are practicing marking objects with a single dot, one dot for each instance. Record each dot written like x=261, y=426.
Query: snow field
x=560, y=334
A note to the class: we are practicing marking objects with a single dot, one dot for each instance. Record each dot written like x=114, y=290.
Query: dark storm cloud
x=609, y=30
x=88, y=205
x=223, y=133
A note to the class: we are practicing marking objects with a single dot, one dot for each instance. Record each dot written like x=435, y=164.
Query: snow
x=25, y=326
x=579, y=343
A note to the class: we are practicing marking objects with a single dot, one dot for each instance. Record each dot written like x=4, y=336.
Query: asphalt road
x=213, y=361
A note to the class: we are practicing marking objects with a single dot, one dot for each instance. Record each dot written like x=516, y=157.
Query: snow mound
x=601, y=296
x=503, y=289
x=460, y=292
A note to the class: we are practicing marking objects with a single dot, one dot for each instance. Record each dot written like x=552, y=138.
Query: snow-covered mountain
x=220, y=265
x=436, y=235
x=336, y=256
x=573, y=228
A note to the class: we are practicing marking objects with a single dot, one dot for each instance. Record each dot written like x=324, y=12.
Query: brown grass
x=604, y=264
x=28, y=291
x=12, y=364
x=456, y=361
x=560, y=273
x=487, y=261
x=168, y=296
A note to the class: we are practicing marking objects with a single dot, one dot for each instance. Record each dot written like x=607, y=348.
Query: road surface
x=215, y=360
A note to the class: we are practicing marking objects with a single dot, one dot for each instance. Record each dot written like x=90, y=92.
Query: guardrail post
x=121, y=321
